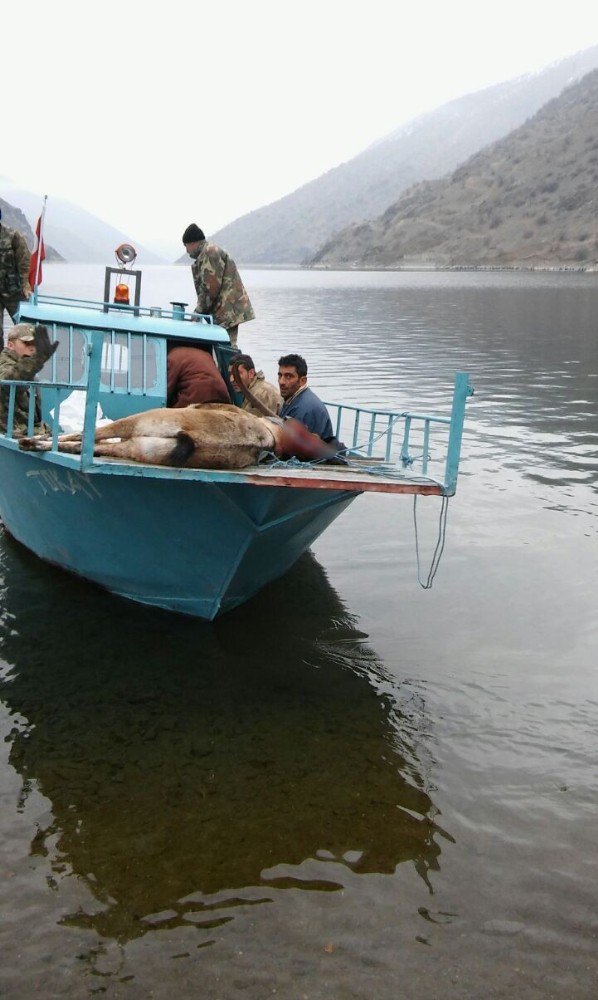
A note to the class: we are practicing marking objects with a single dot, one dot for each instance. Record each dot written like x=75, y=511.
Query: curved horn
x=247, y=393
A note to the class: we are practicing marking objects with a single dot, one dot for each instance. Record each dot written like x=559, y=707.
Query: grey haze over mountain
x=527, y=200
x=76, y=234
x=13, y=218
x=292, y=229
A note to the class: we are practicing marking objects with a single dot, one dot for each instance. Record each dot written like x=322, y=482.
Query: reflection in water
x=184, y=760
x=192, y=771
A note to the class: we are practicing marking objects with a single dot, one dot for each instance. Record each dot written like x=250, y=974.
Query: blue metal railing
x=149, y=311
x=377, y=434
x=31, y=388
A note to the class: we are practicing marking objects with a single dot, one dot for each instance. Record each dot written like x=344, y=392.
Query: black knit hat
x=192, y=234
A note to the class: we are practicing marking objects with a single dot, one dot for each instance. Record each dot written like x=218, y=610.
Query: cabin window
x=68, y=363
x=115, y=357
x=129, y=363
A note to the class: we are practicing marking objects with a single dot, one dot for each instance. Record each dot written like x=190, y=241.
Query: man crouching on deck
x=298, y=400
x=27, y=350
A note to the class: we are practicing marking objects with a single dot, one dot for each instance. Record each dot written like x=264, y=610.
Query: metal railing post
x=461, y=392
x=405, y=445
x=10, y=419
x=91, y=399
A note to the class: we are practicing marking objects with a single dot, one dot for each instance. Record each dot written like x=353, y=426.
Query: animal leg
x=148, y=450
x=39, y=442
x=164, y=423
x=77, y=436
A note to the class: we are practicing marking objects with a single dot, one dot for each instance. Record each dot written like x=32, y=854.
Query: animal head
x=293, y=440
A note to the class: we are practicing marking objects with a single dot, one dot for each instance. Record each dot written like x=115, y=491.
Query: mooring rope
x=382, y=433
x=271, y=461
x=439, y=543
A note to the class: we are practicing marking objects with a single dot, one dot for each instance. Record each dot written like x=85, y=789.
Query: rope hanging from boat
x=383, y=433
x=439, y=544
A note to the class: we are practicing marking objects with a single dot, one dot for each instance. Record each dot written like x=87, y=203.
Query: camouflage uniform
x=265, y=392
x=220, y=291
x=19, y=369
x=14, y=272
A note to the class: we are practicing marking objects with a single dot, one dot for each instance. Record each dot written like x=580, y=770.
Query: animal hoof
x=39, y=442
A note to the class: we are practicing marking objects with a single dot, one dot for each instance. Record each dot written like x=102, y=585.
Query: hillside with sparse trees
x=293, y=228
x=528, y=200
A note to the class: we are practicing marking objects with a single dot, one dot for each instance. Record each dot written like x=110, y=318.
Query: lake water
x=350, y=787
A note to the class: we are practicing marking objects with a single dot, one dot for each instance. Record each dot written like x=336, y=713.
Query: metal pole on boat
x=94, y=353
x=40, y=240
x=461, y=392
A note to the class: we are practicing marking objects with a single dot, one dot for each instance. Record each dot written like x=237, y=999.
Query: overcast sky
x=201, y=111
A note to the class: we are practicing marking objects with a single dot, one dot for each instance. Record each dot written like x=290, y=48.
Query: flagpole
x=38, y=262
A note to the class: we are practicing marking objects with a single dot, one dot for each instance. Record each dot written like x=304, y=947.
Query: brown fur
x=211, y=436
x=201, y=436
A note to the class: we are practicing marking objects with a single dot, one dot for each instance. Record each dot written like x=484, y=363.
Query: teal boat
x=195, y=541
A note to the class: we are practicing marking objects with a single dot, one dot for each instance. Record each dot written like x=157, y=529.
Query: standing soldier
x=220, y=291
x=15, y=259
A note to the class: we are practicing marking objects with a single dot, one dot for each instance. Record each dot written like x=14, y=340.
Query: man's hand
x=44, y=347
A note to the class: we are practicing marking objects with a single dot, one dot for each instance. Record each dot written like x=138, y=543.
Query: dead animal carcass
x=204, y=436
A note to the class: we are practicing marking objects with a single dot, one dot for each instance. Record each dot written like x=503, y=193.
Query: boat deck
x=337, y=477
x=323, y=477
x=366, y=476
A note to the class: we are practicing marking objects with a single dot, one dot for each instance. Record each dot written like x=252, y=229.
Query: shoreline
x=566, y=268
x=500, y=268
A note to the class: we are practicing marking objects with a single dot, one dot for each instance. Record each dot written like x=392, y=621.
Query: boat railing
x=423, y=443
x=177, y=312
x=30, y=388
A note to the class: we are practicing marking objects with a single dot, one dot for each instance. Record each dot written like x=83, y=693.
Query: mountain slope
x=294, y=227
x=14, y=219
x=528, y=199
x=76, y=234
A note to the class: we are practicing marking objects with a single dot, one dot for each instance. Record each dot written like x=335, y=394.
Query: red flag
x=39, y=254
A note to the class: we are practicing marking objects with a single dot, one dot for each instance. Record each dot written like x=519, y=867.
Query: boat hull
x=194, y=547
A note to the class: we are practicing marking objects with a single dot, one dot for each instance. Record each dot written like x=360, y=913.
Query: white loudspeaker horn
x=125, y=253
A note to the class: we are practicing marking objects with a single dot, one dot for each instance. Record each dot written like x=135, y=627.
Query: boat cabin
x=134, y=344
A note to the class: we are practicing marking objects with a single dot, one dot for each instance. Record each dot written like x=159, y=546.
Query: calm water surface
x=350, y=787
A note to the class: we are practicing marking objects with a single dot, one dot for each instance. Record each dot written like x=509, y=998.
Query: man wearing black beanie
x=220, y=291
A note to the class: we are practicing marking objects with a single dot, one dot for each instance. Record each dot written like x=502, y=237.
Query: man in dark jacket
x=193, y=377
x=220, y=291
x=298, y=400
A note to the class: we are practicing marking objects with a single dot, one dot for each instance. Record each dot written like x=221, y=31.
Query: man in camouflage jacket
x=220, y=291
x=25, y=354
x=14, y=272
